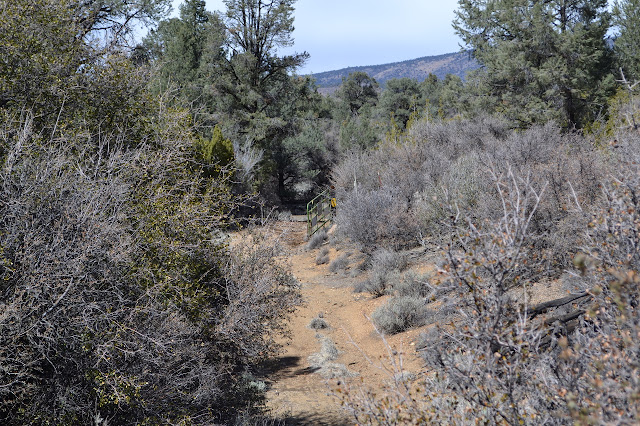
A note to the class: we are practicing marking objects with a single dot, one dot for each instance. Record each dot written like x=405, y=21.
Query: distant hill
x=418, y=69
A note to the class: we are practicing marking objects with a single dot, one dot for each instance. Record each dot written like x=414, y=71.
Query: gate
x=319, y=211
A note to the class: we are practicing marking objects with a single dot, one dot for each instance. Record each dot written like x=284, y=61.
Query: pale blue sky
x=344, y=33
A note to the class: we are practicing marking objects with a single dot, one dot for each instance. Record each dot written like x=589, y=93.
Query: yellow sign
x=333, y=202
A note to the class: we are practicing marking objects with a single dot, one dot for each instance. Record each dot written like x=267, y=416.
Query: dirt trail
x=297, y=391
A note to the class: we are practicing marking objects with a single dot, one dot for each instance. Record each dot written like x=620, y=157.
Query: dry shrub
x=323, y=256
x=318, y=323
x=399, y=314
x=407, y=193
x=328, y=352
x=386, y=266
x=508, y=362
x=119, y=299
x=323, y=361
x=480, y=364
x=387, y=260
x=317, y=239
x=340, y=263
x=414, y=285
x=334, y=370
x=376, y=218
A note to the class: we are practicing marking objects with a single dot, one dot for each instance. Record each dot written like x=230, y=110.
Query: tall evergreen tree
x=229, y=64
x=430, y=90
x=259, y=97
x=543, y=60
x=182, y=46
x=253, y=72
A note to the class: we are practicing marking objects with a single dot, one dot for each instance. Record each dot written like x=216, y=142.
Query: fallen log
x=543, y=307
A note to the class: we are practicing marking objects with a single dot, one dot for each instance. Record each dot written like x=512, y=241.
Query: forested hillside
x=417, y=69
x=125, y=164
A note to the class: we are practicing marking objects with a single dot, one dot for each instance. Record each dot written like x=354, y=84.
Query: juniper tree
x=626, y=19
x=401, y=98
x=358, y=89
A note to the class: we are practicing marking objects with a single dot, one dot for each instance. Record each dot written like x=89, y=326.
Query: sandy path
x=297, y=391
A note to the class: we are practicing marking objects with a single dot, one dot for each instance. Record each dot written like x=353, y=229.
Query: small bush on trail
x=334, y=370
x=323, y=256
x=317, y=239
x=322, y=361
x=328, y=352
x=318, y=324
x=387, y=260
x=399, y=314
x=378, y=284
x=385, y=268
x=413, y=285
x=339, y=264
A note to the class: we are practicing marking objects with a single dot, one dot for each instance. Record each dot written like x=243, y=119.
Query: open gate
x=319, y=211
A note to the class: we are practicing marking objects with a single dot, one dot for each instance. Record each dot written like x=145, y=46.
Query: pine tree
x=181, y=47
x=543, y=60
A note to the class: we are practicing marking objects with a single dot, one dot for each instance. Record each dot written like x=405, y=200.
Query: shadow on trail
x=318, y=419
x=284, y=367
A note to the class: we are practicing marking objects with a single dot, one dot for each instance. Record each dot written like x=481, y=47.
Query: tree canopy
x=626, y=20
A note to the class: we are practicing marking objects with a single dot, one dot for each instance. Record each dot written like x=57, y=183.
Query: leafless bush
x=376, y=218
x=501, y=362
x=481, y=364
x=259, y=291
x=600, y=359
x=441, y=167
x=460, y=136
x=247, y=157
x=504, y=360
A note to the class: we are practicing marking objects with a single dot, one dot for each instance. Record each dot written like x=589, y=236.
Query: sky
x=345, y=33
